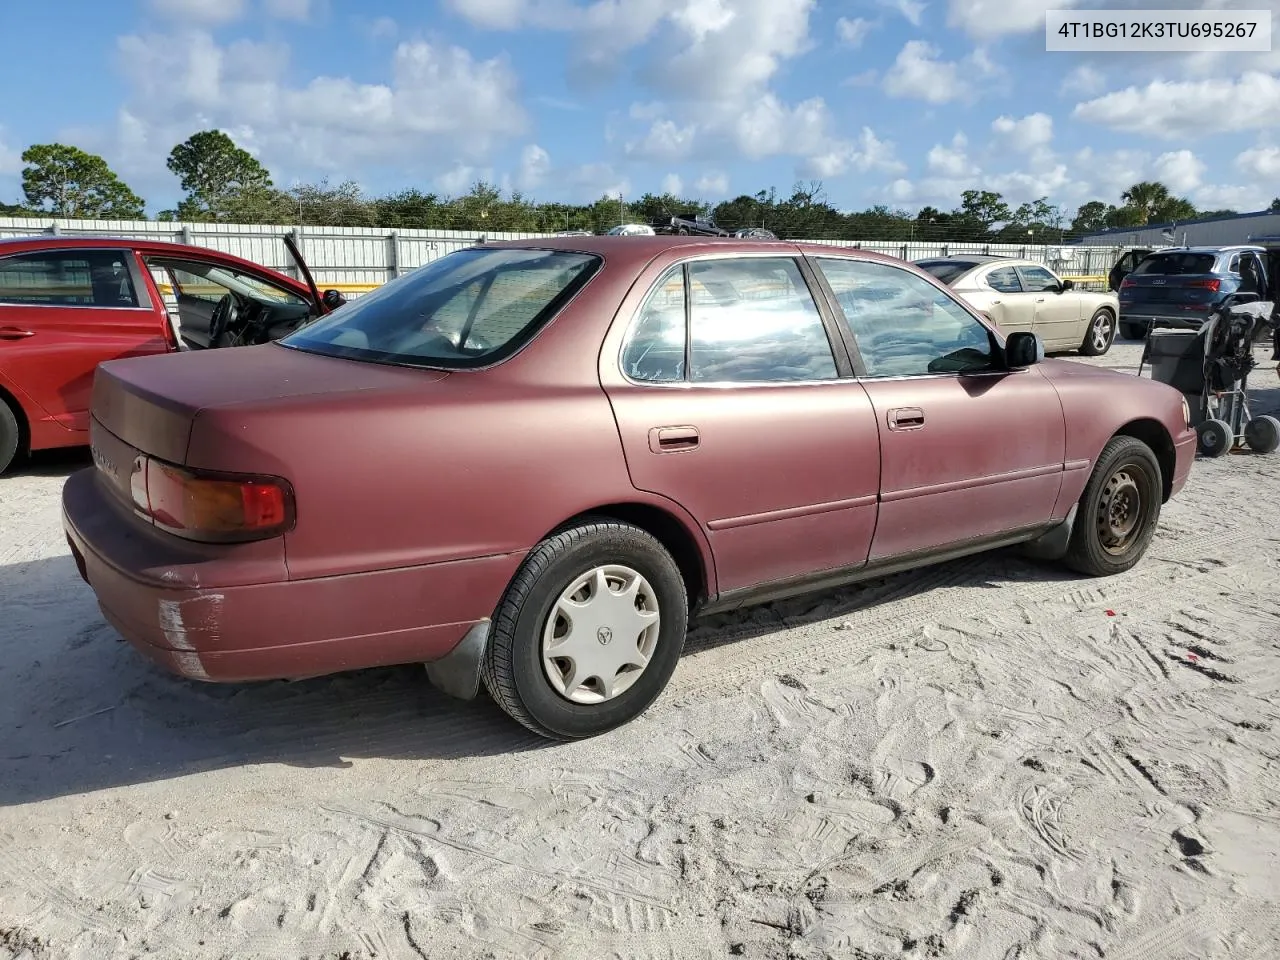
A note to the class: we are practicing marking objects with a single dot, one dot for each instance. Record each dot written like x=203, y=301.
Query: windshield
x=945, y=270
x=467, y=309
x=1176, y=264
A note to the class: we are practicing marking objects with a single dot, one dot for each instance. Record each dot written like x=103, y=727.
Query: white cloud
x=1180, y=170
x=1245, y=199
x=10, y=158
x=297, y=10
x=383, y=28
x=1085, y=80
x=868, y=152
x=989, y=19
x=919, y=74
x=200, y=11
x=952, y=162
x=673, y=185
x=1032, y=132
x=535, y=165
x=712, y=185
x=1260, y=162
x=853, y=32
x=1173, y=109
x=183, y=82
x=911, y=10
x=459, y=178
x=701, y=18
x=665, y=140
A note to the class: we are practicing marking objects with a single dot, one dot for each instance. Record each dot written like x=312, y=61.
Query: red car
x=69, y=303
x=529, y=463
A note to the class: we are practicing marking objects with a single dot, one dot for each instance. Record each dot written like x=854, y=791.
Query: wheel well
x=24, y=428
x=1155, y=436
x=666, y=528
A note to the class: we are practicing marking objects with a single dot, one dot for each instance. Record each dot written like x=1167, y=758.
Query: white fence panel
x=368, y=256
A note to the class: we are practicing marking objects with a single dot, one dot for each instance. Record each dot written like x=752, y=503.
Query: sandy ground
x=989, y=759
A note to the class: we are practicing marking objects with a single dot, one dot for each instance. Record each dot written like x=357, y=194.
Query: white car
x=631, y=230
x=1025, y=295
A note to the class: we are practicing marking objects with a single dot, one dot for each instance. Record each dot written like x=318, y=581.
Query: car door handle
x=1040, y=299
x=906, y=418
x=995, y=301
x=671, y=439
x=14, y=333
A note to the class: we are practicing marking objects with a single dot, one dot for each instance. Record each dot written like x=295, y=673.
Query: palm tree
x=1147, y=198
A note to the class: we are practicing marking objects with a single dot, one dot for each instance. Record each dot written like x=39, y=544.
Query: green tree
x=1090, y=217
x=68, y=182
x=214, y=172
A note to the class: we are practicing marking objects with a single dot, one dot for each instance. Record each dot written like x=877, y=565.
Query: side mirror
x=1067, y=285
x=1023, y=349
x=332, y=299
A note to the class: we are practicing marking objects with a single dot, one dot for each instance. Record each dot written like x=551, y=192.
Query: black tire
x=1133, y=331
x=513, y=671
x=10, y=437
x=1262, y=434
x=1216, y=438
x=1090, y=347
x=1126, y=469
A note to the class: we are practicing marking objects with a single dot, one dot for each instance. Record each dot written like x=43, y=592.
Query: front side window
x=753, y=320
x=1037, y=279
x=70, y=278
x=467, y=309
x=905, y=326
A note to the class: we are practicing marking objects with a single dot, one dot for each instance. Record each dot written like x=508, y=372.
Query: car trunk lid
x=150, y=403
x=1181, y=278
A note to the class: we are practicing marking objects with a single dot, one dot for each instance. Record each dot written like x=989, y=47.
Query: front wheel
x=589, y=631
x=1101, y=333
x=1118, y=511
x=10, y=437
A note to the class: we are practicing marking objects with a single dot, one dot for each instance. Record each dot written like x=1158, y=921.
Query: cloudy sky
x=903, y=102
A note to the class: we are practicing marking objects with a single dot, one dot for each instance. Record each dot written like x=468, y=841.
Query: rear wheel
x=1118, y=511
x=1262, y=434
x=1133, y=331
x=1216, y=438
x=589, y=631
x=10, y=436
x=1102, y=331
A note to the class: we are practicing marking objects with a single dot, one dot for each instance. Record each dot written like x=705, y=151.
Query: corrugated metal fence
x=360, y=258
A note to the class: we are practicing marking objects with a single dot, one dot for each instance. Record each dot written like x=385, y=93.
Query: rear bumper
x=289, y=629
x=1183, y=320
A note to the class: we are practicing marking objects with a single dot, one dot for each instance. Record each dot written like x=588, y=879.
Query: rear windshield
x=467, y=309
x=1176, y=264
x=945, y=270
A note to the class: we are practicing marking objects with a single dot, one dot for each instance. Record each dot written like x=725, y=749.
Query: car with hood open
x=68, y=303
x=528, y=464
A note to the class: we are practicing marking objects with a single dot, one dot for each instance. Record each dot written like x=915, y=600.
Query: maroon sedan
x=529, y=463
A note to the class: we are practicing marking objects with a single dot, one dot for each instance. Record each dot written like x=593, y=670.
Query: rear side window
x=467, y=309
x=749, y=320
x=1004, y=280
x=72, y=278
x=947, y=271
x=1175, y=264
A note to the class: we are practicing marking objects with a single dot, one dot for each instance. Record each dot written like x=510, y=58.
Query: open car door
x=331, y=300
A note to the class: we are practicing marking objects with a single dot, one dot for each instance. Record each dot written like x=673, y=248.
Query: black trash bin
x=1177, y=358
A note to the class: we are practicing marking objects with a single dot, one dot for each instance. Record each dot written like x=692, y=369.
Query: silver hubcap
x=1101, y=331
x=600, y=635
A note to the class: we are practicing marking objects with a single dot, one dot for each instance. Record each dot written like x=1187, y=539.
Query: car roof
x=1227, y=248
x=87, y=240
x=968, y=257
x=640, y=250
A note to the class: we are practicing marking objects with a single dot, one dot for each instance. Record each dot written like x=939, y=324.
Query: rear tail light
x=211, y=507
x=1126, y=282
x=1213, y=285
